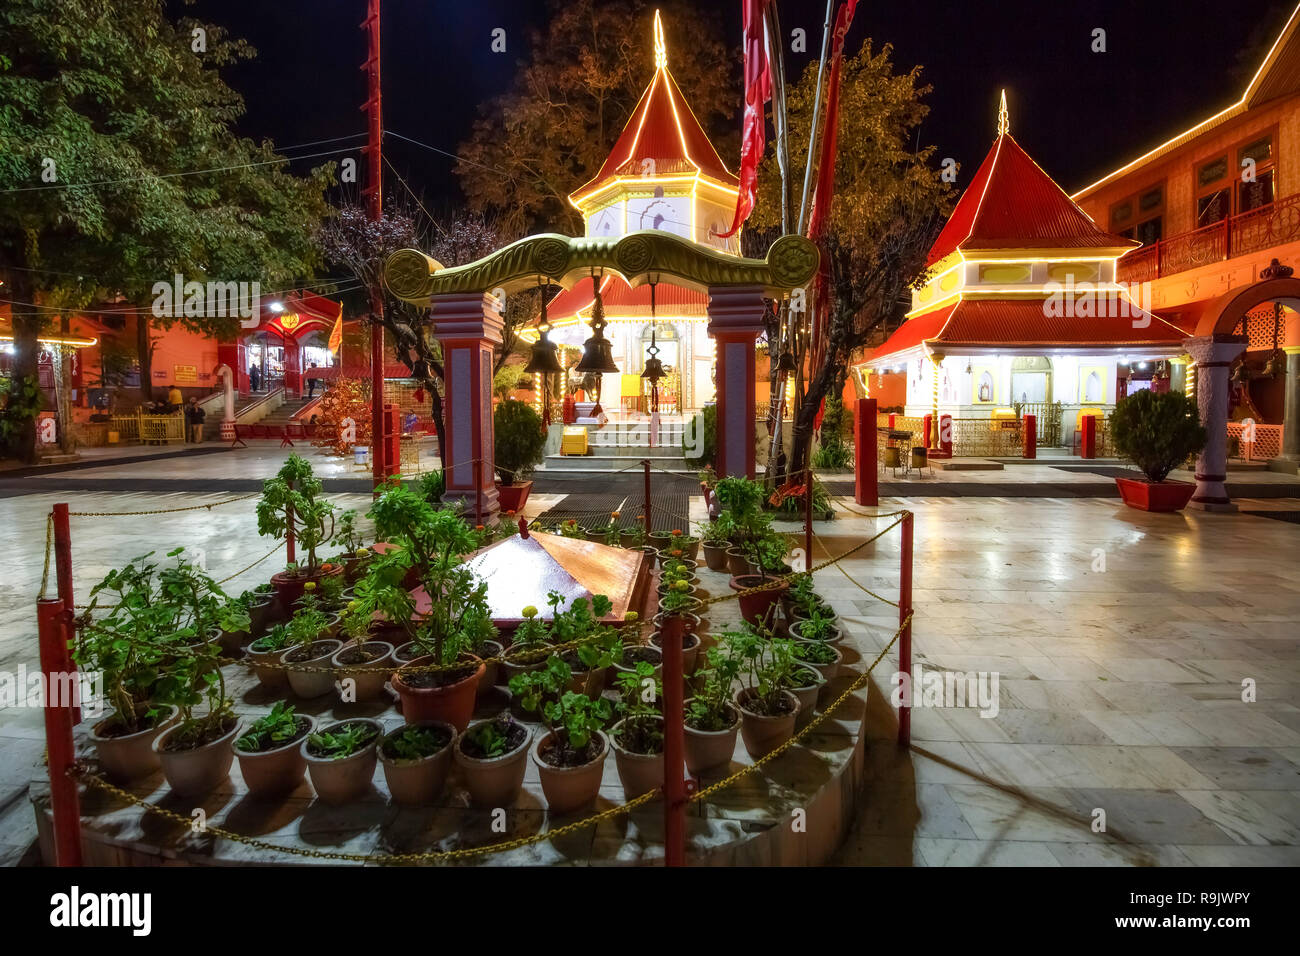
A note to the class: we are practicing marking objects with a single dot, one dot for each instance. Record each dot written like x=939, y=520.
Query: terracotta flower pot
x=232, y=642
x=193, y=773
x=130, y=756
x=271, y=676
x=343, y=779
x=592, y=683
x=493, y=781
x=368, y=677
x=628, y=538
x=828, y=671
x=513, y=497
x=262, y=611
x=652, y=655
x=762, y=733
x=491, y=671
x=737, y=563
x=715, y=556
x=420, y=780
x=810, y=687
x=289, y=587
x=311, y=675
x=639, y=773
x=452, y=703
x=570, y=788
x=690, y=649
x=280, y=769
x=757, y=608
x=510, y=668
x=711, y=749
x=600, y=537
x=1161, y=496
x=833, y=636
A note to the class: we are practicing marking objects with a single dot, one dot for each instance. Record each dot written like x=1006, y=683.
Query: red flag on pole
x=758, y=90
x=819, y=218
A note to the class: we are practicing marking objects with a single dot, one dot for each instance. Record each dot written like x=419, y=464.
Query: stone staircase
x=619, y=444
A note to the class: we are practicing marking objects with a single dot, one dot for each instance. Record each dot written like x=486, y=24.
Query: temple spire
x=1004, y=118
x=661, y=49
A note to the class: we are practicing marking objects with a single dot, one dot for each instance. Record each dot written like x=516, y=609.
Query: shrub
x=1157, y=431
x=519, y=442
x=701, y=435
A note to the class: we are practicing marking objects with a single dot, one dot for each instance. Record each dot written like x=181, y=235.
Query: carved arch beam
x=638, y=257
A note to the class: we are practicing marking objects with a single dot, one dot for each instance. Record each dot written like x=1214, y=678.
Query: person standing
x=174, y=397
x=311, y=380
x=255, y=377
x=194, y=418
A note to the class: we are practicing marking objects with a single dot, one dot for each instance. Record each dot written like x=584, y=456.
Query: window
x=1255, y=161
x=1214, y=199
x=1238, y=181
x=1140, y=216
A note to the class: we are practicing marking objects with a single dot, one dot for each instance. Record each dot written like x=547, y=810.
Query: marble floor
x=1121, y=642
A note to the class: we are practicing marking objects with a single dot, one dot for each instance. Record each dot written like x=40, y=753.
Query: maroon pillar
x=1031, y=436
x=674, y=744
x=468, y=328
x=1088, y=443
x=735, y=321
x=865, y=480
x=905, y=638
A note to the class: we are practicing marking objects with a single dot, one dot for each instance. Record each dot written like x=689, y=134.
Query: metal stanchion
x=904, y=622
x=808, y=519
x=648, y=526
x=56, y=666
x=675, y=786
x=63, y=576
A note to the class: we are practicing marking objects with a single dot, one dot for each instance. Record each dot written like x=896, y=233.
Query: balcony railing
x=1262, y=228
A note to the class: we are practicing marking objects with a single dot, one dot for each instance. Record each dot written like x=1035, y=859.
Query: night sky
x=1169, y=64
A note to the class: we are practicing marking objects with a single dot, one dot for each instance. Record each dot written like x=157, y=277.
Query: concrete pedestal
x=735, y=322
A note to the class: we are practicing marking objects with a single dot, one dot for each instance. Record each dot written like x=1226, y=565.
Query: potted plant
x=805, y=683
x=416, y=758
x=638, y=737
x=307, y=661
x=362, y=668
x=712, y=720
x=690, y=649
x=1157, y=431
x=801, y=598
x=236, y=624
x=293, y=499
x=750, y=530
x=355, y=554
x=633, y=538
x=818, y=625
x=767, y=708
x=570, y=757
x=634, y=655
x=715, y=544
x=265, y=653
x=598, y=644
x=520, y=441
x=269, y=751
x=429, y=544
x=529, y=645
x=825, y=658
x=341, y=758
x=195, y=753
x=152, y=617
x=492, y=755
x=605, y=533
x=263, y=609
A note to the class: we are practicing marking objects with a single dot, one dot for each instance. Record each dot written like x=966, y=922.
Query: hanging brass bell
x=654, y=368
x=597, y=355
x=1276, y=365
x=785, y=362
x=1240, y=374
x=543, y=358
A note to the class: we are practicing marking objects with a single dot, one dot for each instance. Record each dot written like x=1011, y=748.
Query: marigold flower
x=309, y=586
x=631, y=617
x=530, y=612
x=677, y=531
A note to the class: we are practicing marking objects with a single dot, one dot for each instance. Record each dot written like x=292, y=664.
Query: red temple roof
x=1012, y=204
x=664, y=130
x=622, y=299
x=1025, y=323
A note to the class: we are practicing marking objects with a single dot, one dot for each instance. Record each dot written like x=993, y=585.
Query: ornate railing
x=1253, y=231
x=1048, y=421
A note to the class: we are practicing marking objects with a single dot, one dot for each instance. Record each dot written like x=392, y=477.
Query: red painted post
x=1031, y=436
x=290, y=539
x=905, y=639
x=927, y=430
x=892, y=416
x=646, y=463
x=1088, y=444
x=865, y=480
x=56, y=666
x=674, y=744
x=945, y=435
x=63, y=577
x=807, y=520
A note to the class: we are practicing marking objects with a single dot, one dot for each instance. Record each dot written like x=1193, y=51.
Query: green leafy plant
x=277, y=639
x=21, y=400
x=281, y=726
x=814, y=652
x=433, y=485
x=574, y=720
x=639, y=697
x=715, y=533
x=700, y=438
x=489, y=739
x=802, y=594
x=343, y=741
x=571, y=529
x=233, y=617
x=1157, y=431
x=519, y=440
x=329, y=591
x=293, y=499
x=709, y=709
x=347, y=534
x=415, y=743
x=818, y=625
x=766, y=664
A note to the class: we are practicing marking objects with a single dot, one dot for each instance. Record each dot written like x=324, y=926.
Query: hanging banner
x=758, y=90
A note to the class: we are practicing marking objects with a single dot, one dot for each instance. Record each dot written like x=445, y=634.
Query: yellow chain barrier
x=49, y=546
x=160, y=511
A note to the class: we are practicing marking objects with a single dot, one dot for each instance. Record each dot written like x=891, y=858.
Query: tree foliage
x=1157, y=431
x=572, y=96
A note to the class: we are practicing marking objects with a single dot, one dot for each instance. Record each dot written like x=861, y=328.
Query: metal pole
x=808, y=519
x=63, y=576
x=905, y=639
x=675, y=788
x=646, y=463
x=375, y=210
x=60, y=751
x=817, y=108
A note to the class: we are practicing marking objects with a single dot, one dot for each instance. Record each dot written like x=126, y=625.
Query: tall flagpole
x=374, y=197
x=817, y=108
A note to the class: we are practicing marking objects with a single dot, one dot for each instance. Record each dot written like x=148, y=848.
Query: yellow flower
x=309, y=586
x=530, y=612
x=680, y=585
x=631, y=617
x=362, y=552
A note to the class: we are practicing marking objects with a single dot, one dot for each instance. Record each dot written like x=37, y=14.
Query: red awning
x=622, y=299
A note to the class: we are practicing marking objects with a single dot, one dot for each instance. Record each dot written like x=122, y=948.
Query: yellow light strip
x=78, y=343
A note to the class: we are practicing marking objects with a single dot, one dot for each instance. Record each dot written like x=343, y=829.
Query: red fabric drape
x=758, y=90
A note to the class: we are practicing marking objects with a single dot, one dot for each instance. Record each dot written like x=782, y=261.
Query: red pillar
x=945, y=436
x=808, y=519
x=1031, y=436
x=927, y=430
x=865, y=480
x=468, y=328
x=56, y=665
x=374, y=196
x=735, y=321
x=674, y=744
x=905, y=639
x=1088, y=443
x=235, y=355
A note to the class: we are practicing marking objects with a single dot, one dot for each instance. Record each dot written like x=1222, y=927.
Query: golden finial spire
x=661, y=49
x=1004, y=118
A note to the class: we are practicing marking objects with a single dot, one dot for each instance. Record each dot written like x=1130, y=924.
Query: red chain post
x=675, y=787
x=56, y=667
x=866, y=483
x=905, y=638
x=807, y=520
x=290, y=539
x=648, y=527
x=63, y=577
x=1031, y=436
